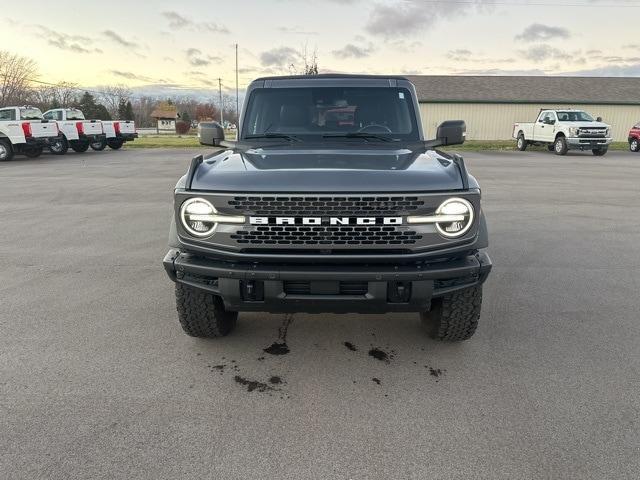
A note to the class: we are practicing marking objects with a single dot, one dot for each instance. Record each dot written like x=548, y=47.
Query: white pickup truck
x=564, y=130
x=24, y=131
x=118, y=132
x=80, y=133
x=77, y=132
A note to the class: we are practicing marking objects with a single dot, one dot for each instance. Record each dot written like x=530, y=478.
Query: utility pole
x=237, y=98
x=221, y=106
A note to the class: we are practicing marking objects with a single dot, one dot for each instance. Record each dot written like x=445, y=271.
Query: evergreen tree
x=186, y=117
x=128, y=112
x=122, y=107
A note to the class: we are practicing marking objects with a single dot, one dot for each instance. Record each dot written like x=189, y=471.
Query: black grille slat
x=326, y=235
x=295, y=287
x=344, y=206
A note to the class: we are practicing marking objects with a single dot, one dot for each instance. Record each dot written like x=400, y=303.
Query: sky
x=187, y=45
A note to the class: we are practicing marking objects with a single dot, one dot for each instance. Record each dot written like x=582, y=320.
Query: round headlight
x=461, y=212
x=197, y=216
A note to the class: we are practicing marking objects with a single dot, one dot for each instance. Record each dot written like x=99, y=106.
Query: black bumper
x=98, y=137
x=41, y=142
x=127, y=137
x=314, y=288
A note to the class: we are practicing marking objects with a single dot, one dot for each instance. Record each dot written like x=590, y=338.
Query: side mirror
x=451, y=132
x=599, y=119
x=210, y=133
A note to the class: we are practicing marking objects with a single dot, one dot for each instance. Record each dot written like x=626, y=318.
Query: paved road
x=98, y=381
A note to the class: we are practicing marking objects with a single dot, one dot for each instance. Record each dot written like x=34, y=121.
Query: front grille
x=295, y=287
x=592, y=132
x=326, y=235
x=326, y=205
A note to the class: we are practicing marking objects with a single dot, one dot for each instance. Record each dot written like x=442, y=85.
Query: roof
x=538, y=89
x=332, y=75
x=165, y=113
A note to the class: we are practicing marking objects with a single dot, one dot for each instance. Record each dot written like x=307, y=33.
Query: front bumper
x=580, y=143
x=315, y=288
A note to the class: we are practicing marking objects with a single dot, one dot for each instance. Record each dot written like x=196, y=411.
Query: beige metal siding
x=494, y=121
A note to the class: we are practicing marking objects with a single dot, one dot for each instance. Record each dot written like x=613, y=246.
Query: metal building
x=491, y=105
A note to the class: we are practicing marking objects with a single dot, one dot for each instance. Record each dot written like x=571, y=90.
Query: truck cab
x=331, y=200
x=563, y=130
x=23, y=130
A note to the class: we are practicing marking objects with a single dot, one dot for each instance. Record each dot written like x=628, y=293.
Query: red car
x=634, y=138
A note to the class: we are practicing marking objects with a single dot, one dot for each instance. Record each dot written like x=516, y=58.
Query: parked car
x=634, y=138
x=77, y=132
x=304, y=216
x=23, y=130
x=564, y=130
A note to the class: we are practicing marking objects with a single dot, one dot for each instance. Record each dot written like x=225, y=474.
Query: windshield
x=73, y=114
x=574, y=117
x=314, y=113
x=30, y=113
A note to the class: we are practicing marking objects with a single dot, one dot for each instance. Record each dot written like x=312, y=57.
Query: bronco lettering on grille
x=325, y=220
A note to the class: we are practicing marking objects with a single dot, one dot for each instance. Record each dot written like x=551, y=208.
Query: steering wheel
x=374, y=128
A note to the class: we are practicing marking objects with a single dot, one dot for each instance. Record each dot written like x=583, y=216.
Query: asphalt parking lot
x=97, y=379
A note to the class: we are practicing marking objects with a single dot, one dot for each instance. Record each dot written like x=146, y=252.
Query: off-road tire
x=98, y=146
x=560, y=146
x=202, y=314
x=634, y=145
x=33, y=152
x=521, y=143
x=62, y=149
x=599, y=152
x=115, y=144
x=454, y=317
x=7, y=150
x=79, y=147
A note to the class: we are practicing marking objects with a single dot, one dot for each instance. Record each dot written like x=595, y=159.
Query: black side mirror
x=210, y=133
x=451, y=132
x=599, y=119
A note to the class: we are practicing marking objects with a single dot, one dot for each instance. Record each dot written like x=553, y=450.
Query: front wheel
x=560, y=146
x=202, y=314
x=599, y=152
x=521, y=143
x=115, y=144
x=454, y=317
x=634, y=145
x=98, y=145
x=60, y=146
x=79, y=147
x=33, y=152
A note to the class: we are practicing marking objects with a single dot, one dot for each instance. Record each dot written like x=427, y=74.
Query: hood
x=585, y=124
x=305, y=169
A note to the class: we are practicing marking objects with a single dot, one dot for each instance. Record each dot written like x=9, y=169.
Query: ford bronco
x=330, y=200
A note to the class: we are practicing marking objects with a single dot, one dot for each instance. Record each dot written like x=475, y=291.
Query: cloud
x=131, y=76
x=110, y=34
x=180, y=22
x=541, y=53
x=70, y=43
x=408, y=17
x=279, y=57
x=353, y=51
x=296, y=30
x=499, y=71
x=460, y=54
x=631, y=70
x=540, y=32
x=196, y=58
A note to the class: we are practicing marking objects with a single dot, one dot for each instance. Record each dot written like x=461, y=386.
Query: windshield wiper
x=273, y=135
x=359, y=135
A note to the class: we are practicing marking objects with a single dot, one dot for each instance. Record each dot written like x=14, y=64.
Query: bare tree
x=16, y=74
x=64, y=94
x=112, y=95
